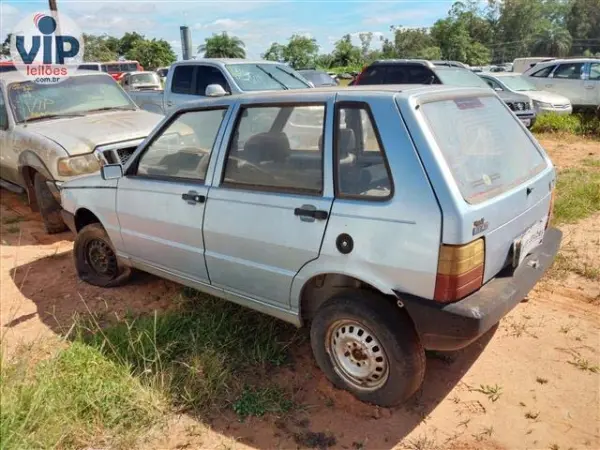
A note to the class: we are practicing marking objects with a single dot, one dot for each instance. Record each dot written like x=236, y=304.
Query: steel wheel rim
x=357, y=355
x=101, y=258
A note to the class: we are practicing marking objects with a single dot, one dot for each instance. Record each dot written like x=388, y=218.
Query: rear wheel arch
x=321, y=287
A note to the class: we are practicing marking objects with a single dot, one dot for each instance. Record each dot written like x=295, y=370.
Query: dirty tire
x=49, y=207
x=390, y=327
x=91, y=245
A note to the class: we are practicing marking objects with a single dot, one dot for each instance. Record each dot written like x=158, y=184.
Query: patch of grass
x=12, y=219
x=564, y=264
x=587, y=125
x=75, y=399
x=258, y=402
x=422, y=443
x=577, y=195
x=13, y=229
x=584, y=365
x=202, y=355
x=591, y=162
x=492, y=392
x=541, y=380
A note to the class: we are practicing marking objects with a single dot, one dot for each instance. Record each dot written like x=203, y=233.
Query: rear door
x=269, y=204
x=567, y=80
x=492, y=189
x=181, y=88
x=592, y=84
x=162, y=197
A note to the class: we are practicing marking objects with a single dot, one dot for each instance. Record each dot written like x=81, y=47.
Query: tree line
x=497, y=32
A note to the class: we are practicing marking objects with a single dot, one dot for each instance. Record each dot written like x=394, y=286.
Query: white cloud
x=225, y=24
x=113, y=24
x=399, y=17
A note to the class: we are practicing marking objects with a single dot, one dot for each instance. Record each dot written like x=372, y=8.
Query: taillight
x=460, y=271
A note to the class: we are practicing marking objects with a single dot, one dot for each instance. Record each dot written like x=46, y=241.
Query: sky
x=257, y=23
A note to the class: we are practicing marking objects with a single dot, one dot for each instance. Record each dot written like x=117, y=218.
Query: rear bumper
x=456, y=325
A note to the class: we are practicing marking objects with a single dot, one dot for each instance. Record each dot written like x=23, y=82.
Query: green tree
x=97, y=49
x=301, y=51
x=324, y=61
x=553, y=41
x=274, y=52
x=152, y=54
x=127, y=42
x=583, y=22
x=365, y=44
x=409, y=42
x=223, y=46
x=345, y=53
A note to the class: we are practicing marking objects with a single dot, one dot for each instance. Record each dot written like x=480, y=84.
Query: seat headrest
x=267, y=147
x=346, y=142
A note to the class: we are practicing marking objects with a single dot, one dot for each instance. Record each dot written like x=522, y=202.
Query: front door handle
x=193, y=197
x=311, y=212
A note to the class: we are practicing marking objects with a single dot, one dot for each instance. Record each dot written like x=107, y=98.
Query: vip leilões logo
x=47, y=48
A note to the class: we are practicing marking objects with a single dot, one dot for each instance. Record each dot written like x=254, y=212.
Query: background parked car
x=318, y=78
x=576, y=79
x=200, y=78
x=410, y=71
x=50, y=133
x=141, y=81
x=543, y=101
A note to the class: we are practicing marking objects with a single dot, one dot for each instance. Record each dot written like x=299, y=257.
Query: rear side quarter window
x=361, y=170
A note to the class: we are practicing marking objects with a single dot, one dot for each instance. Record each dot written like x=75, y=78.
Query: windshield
x=318, y=78
x=75, y=95
x=265, y=77
x=144, y=78
x=517, y=83
x=472, y=133
x=455, y=76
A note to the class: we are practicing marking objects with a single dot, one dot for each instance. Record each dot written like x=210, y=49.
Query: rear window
x=485, y=147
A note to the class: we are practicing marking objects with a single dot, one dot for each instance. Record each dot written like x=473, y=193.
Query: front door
x=162, y=198
x=267, y=214
x=567, y=80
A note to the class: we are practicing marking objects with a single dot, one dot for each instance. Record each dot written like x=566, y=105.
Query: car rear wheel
x=368, y=346
x=49, y=207
x=96, y=260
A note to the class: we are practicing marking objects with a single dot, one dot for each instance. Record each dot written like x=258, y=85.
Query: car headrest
x=346, y=142
x=267, y=147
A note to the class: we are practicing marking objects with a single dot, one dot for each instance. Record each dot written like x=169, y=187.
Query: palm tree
x=222, y=46
x=553, y=41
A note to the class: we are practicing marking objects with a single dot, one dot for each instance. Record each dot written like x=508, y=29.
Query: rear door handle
x=311, y=212
x=193, y=197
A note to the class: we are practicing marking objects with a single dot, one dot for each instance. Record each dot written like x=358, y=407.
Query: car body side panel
x=396, y=241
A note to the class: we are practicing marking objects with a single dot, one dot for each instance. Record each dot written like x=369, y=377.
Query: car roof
x=404, y=91
x=500, y=74
x=224, y=61
x=16, y=76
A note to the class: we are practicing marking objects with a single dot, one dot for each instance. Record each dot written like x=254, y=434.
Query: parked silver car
x=392, y=219
x=54, y=132
x=543, y=101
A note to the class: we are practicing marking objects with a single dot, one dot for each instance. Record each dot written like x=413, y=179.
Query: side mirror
x=111, y=171
x=215, y=90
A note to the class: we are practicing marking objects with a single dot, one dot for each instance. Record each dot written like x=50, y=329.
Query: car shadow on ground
x=323, y=416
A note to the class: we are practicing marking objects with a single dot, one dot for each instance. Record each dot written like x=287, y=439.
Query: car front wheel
x=368, y=346
x=96, y=260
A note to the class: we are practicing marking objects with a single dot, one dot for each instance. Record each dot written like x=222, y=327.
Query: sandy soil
x=535, y=359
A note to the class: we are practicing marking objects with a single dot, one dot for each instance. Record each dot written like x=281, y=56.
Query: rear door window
x=182, y=80
x=372, y=75
x=472, y=133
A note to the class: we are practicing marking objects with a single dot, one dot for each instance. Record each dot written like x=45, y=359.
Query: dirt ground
x=530, y=383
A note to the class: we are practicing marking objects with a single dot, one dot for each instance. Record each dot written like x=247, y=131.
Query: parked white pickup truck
x=194, y=79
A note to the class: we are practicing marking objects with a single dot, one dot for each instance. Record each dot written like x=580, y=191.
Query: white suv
x=576, y=79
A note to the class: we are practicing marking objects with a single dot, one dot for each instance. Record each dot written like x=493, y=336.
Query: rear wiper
x=52, y=116
x=270, y=75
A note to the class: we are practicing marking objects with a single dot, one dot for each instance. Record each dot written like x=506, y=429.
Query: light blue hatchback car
x=393, y=219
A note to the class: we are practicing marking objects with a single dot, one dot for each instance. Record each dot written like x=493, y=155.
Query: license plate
x=526, y=122
x=528, y=241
